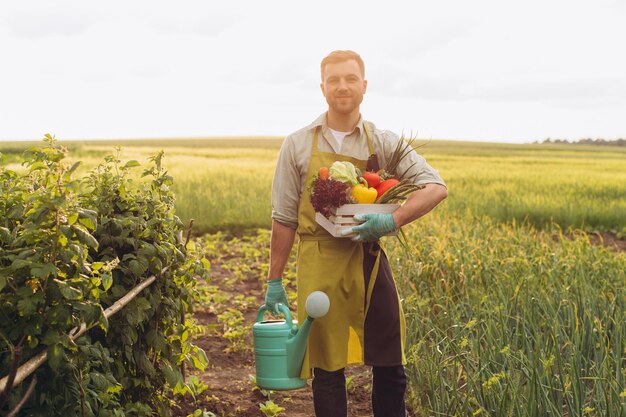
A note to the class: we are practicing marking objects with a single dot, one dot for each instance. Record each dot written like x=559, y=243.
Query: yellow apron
x=335, y=266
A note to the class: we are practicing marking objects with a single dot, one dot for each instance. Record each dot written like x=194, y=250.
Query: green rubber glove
x=275, y=295
x=376, y=225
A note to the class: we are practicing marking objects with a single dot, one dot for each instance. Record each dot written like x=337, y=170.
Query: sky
x=482, y=70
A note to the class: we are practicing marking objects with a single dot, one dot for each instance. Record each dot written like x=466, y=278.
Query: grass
x=555, y=188
x=505, y=319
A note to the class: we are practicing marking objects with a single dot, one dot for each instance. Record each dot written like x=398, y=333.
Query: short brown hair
x=340, y=56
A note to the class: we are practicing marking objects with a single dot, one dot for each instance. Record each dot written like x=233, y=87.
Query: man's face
x=343, y=86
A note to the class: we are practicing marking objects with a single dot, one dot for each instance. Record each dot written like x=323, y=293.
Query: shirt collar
x=321, y=122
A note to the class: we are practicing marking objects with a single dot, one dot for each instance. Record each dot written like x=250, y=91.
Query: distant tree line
x=587, y=141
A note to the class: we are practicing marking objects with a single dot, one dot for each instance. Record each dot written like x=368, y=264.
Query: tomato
x=372, y=178
x=386, y=185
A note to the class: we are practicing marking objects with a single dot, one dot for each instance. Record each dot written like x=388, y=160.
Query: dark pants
x=388, y=387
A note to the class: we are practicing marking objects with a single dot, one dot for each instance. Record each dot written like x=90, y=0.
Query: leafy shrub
x=70, y=248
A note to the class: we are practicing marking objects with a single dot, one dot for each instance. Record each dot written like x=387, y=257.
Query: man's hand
x=376, y=225
x=275, y=295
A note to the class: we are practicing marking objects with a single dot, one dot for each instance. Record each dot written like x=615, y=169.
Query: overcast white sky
x=474, y=70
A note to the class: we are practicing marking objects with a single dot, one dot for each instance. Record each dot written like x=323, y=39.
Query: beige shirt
x=295, y=153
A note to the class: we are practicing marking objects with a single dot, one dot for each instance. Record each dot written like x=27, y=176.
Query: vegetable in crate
x=343, y=183
x=372, y=178
x=345, y=172
x=329, y=194
x=323, y=173
x=384, y=186
x=364, y=194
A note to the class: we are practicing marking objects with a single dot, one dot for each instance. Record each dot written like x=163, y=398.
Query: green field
x=510, y=309
x=225, y=183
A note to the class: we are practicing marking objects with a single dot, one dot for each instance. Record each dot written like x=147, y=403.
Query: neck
x=343, y=122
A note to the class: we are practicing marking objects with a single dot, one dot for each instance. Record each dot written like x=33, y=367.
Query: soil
x=230, y=391
x=609, y=240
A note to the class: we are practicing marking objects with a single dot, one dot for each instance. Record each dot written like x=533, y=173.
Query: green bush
x=69, y=249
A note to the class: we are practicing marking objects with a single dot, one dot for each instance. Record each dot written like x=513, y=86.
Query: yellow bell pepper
x=363, y=194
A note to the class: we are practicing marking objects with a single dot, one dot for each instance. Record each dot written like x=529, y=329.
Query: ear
x=322, y=87
x=364, y=86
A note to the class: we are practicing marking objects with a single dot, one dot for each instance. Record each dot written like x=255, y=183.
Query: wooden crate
x=344, y=217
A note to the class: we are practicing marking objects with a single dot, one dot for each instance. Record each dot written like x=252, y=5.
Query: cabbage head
x=345, y=172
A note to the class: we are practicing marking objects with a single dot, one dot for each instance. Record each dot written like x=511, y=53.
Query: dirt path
x=230, y=391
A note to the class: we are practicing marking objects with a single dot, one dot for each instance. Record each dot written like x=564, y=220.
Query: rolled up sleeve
x=286, y=187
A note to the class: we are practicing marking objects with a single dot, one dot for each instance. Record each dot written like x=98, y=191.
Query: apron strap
x=370, y=283
x=315, y=148
x=370, y=145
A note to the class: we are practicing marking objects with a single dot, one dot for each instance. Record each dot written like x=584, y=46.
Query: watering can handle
x=283, y=308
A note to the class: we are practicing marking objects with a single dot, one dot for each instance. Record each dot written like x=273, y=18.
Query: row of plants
x=504, y=319
x=70, y=248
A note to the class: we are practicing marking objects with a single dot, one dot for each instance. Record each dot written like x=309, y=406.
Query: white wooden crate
x=344, y=217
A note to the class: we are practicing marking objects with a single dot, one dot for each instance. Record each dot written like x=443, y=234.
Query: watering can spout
x=296, y=347
x=317, y=305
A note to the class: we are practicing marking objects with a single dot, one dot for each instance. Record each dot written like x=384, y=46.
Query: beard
x=344, y=104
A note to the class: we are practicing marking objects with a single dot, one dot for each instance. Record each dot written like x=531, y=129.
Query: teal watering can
x=279, y=346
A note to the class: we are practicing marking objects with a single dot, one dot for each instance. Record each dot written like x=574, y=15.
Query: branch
x=27, y=395
x=15, y=361
x=189, y=232
x=35, y=362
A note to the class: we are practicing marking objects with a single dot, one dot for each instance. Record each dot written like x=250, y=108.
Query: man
x=365, y=323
